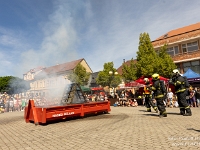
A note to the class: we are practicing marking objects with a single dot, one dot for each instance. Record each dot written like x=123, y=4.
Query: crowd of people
x=126, y=98
x=18, y=102
x=10, y=103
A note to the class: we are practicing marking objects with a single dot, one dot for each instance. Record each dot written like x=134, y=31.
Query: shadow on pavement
x=142, y=110
x=171, y=113
x=151, y=115
x=193, y=129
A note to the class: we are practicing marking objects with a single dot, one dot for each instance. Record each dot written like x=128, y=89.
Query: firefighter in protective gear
x=148, y=96
x=181, y=84
x=159, y=90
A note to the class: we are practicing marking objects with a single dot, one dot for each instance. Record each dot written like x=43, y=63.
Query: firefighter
x=159, y=90
x=181, y=84
x=148, y=96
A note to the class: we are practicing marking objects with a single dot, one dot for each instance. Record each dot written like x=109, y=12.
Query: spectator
x=23, y=104
x=198, y=96
x=170, y=98
x=11, y=109
x=192, y=100
x=134, y=103
x=175, y=103
x=15, y=104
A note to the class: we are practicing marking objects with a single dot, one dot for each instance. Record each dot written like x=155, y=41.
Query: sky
x=44, y=33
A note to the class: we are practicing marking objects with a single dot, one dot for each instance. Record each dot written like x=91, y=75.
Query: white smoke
x=58, y=43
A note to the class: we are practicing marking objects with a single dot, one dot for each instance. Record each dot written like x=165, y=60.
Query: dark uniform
x=159, y=94
x=148, y=97
x=181, y=84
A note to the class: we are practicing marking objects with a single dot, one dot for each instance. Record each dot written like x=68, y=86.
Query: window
x=194, y=65
x=173, y=51
x=186, y=66
x=190, y=47
x=178, y=67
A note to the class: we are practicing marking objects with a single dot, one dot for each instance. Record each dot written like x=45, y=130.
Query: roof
x=179, y=31
x=119, y=70
x=60, y=68
x=35, y=69
x=180, y=34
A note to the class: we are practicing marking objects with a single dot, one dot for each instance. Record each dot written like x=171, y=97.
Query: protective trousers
x=161, y=106
x=183, y=105
x=149, y=103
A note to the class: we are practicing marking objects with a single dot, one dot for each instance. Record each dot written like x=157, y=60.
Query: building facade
x=44, y=80
x=183, y=45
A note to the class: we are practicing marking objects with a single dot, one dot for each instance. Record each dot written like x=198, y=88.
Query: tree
x=13, y=85
x=79, y=75
x=105, y=79
x=129, y=71
x=147, y=59
x=166, y=64
x=18, y=85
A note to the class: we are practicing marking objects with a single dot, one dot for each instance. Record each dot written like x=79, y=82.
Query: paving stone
x=124, y=128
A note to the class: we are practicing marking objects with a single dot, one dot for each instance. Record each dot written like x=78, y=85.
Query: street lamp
x=112, y=77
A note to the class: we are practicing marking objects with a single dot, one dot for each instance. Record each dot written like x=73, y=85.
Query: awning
x=85, y=89
x=133, y=84
x=96, y=88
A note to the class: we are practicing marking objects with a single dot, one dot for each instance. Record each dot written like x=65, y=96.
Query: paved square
x=125, y=128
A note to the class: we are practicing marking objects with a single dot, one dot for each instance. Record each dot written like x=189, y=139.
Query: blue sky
x=48, y=32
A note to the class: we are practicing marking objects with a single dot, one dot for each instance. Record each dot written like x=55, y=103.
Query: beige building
x=43, y=80
x=183, y=46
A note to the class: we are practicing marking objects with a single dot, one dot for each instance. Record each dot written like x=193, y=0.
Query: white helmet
x=146, y=79
x=176, y=71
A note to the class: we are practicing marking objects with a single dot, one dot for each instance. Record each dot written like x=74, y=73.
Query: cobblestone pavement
x=125, y=128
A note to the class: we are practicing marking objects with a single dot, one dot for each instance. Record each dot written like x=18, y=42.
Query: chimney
x=123, y=60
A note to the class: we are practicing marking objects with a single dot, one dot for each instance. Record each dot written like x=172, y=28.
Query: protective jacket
x=147, y=89
x=159, y=89
x=180, y=84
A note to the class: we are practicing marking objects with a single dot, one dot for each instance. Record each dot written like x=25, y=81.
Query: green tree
x=129, y=71
x=13, y=85
x=105, y=79
x=147, y=59
x=79, y=75
x=18, y=85
x=166, y=64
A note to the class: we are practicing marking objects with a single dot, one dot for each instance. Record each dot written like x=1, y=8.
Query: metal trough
x=41, y=115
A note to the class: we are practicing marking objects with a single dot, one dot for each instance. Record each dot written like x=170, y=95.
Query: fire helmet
x=176, y=71
x=146, y=80
x=155, y=76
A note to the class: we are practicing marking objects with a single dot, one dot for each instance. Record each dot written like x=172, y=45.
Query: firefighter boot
x=156, y=109
x=163, y=114
x=148, y=109
x=182, y=111
x=188, y=112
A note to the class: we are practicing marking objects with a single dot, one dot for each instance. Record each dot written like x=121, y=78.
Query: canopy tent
x=141, y=80
x=194, y=79
x=133, y=84
x=191, y=74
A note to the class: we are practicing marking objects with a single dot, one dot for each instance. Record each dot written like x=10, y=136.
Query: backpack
x=162, y=87
x=187, y=85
